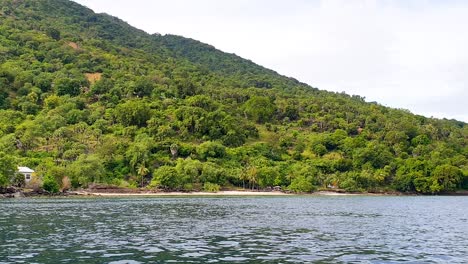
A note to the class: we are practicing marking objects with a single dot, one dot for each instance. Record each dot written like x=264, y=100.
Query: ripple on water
x=233, y=259
x=219, y=230
x=126, y=261
x=153, y=250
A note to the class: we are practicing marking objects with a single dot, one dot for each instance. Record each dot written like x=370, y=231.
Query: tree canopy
x=93, y=100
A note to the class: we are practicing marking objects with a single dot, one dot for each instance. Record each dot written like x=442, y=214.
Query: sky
x=410, y=54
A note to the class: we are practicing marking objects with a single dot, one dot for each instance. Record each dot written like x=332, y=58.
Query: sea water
x=292, y=229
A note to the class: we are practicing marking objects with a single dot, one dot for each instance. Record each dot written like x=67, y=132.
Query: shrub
x=210, y=149
x=188, y=187
x=350, y=185
x=18, y=180
x=211, y=187
x=50, y=185
x=166, y=177
x=301, y=184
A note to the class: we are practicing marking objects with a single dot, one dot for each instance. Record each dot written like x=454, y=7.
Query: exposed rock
x=18, y=195
x=8, y=190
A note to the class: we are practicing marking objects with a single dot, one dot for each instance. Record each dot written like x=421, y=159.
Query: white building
x=27, y=172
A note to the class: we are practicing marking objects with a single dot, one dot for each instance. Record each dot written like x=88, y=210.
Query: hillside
x=86, y=98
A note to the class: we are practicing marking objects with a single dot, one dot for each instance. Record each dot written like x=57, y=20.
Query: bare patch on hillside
x=93, y=77
x=74, y=45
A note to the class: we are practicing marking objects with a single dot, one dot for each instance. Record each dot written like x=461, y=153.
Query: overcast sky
x=410, y=54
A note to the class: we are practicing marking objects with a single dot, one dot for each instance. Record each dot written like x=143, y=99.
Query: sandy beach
x=329, y=193
x=227, y=193
x=220, y=193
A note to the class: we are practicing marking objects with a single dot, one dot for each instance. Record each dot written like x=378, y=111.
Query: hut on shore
x=28, y=174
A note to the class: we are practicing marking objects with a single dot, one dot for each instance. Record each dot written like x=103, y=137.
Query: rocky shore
x=114, y=191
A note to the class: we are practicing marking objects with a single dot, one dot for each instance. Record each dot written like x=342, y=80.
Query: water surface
x=297, y=229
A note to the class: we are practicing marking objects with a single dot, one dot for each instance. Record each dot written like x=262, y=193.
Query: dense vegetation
x=85, y=98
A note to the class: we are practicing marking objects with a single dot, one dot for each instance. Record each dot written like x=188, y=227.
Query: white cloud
x=405, y=54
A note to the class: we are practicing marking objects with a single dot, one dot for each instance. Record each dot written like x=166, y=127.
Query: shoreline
x=227, y=193
x=149, y=193
x=97, y=193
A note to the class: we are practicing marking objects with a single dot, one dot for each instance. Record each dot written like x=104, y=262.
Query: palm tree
x=252, y=176
x=142, y=171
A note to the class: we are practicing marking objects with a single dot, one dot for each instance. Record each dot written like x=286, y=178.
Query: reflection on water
x=237, y=230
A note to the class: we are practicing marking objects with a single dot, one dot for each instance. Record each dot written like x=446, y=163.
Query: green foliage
x=65, y=86
x=446, y=178
x=211, y=149
x=139, y=151
x=404, y=181
x=18, y=180
x=50, y=185
x=7, y=169
x=86, y=169
x=319, y=149
x=210, y=172
x=53, y=33
x=260, y=109
x=267, y=176
x=301, y=184
x=420, y=140
x=143, y=87
x=465, y=180
x=133, y=113
x=166, y=177
x=87, y=96
x=302, y=177
x=349, y=184
x=376, y=155
x=211, y=187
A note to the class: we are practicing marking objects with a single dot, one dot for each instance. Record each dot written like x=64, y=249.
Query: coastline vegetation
x=85, y=98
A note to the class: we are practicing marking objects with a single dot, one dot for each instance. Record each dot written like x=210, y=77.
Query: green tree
x=319, y=149
x=7, y=169
x=53, y=33
x=133, y=113
x=143, y=87
x=142, y=171
x=267, y=176
x=212, y=173
x=448, y=177
x=50, y=185
x=301, y=184
x=188, y=172
x=420, y=140
x=139, y=151
x=86, y=169
x=375, y=154
x=100, y=100
x=260, y=109
x=210, y=149
x=65, y=86
x=166, y=177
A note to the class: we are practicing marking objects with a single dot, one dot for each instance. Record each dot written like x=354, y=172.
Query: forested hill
x=86, y=98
